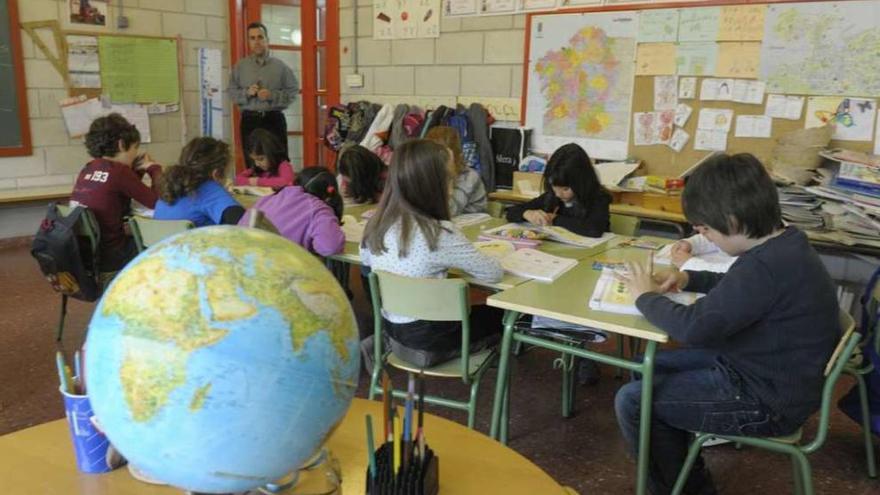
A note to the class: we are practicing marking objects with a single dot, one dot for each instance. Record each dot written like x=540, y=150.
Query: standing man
x=262, y=86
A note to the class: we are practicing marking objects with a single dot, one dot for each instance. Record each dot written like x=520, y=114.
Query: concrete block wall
x=57, y=158
x=474, y=56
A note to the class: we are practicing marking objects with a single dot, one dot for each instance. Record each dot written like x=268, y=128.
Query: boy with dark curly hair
x=108, y=183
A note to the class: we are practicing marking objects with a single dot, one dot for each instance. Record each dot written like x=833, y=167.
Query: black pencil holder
x=416, y=476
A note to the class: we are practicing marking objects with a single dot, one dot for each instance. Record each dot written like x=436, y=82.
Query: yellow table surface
x=39, y=461
x=568, y=298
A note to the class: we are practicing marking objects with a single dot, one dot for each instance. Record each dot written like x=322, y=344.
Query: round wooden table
x=39, y=460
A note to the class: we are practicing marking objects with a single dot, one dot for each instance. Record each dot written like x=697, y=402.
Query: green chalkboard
x=14, y=134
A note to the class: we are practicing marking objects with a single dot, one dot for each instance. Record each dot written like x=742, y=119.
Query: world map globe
x=221, y=358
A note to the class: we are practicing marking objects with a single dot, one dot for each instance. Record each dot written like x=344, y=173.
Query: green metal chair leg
x=518, y=349
x=565, y=362
x=646, y=405
x=693, y=453
x=796, y=477
x=499, y=417
x=472, y=404
x=866, y=427
x=505, y=424
x=805, y=471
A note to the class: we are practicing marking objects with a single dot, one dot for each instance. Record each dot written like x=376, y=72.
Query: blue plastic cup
x=89, y=444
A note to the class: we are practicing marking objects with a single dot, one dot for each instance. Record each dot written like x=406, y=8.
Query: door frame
x=240, y=11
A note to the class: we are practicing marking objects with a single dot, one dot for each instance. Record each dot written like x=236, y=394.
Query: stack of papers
x=526, y=262
x=252, y=190
x=611, y=295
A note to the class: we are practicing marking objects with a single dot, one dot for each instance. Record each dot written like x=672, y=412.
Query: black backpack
x=65, y=257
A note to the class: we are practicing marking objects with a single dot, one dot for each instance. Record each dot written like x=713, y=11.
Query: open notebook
x=526, y=262
x=611, y=295
x=252, y=190
x=524, y=234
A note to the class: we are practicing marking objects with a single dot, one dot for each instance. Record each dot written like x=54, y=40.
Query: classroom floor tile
x=585, y=451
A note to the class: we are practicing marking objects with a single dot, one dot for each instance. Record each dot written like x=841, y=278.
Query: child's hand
x=671, y=280
x=264, y=94
x=680, y=253
x=638, y=279
x=539, y=217
x=253, y=90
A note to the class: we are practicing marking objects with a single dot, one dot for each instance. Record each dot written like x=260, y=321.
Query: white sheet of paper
x=687, y=88
x=753, y=126
x=715, y=119
x=784, y=107
x=716, y=89
x=745, y=91
x=137, y=115
x=679, y=139
x=665, y=94
x=682, y=114
x=78, y=115
x=710, y=140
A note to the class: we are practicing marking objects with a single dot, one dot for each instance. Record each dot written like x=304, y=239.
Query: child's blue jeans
x=694, y=391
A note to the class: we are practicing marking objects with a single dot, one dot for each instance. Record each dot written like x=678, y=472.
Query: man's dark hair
x=733, y=194
x=258, y=25
x=106, y=132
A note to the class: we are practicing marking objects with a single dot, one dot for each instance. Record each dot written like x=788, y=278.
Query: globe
x=221, y=358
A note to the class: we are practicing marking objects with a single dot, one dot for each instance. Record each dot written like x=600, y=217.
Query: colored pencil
x=395, y=425
x=407, y=415
x=371, y=449
x=63, y=376
x=77, y=370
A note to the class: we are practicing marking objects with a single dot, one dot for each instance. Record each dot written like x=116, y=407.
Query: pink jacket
x=283, y=179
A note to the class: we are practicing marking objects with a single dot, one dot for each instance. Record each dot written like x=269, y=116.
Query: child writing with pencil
x=268, y=158
x=573, y=197
x=757, y=343
x=411, y=235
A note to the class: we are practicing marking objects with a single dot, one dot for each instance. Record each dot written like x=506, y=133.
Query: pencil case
x=417, y=475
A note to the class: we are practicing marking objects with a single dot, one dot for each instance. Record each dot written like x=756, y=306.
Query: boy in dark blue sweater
x=755, y=345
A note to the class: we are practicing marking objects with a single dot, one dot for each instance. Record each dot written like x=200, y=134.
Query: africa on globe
x=221, y=358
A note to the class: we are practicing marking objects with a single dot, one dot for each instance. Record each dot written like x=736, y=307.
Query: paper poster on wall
x=699, y=24
x=742, y=22
x=712, y=89
x=153, y=79
x=384, y=14
x=822, y=48
x=652, y=127
x=687, y=88
x=659, y=25
x=853, y=118
x=753, y=126
x=576, y=3
x=738, y=60
x=696, y=59
x=459, y=7
x=496, y=6
x=79, y=113
x=137, y=115
x=211, y=92
x=427, y=14
x=682, y=114
x=654, y=59
x=595, y=53
x=678, y=140
x=706, y=140
x=715, y=119
x=665, y=92
x=538, y=4
x=83, y=64
x=751, y=92
x=784, y=107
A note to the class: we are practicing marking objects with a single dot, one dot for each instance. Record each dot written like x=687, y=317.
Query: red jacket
x=107, y=188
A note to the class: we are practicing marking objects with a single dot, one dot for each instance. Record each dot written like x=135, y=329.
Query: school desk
x=39, y=461
x=567, y=299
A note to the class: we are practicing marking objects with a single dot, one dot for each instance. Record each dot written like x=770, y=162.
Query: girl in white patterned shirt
x=411, y=235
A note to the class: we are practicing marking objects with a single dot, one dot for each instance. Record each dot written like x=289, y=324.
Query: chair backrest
x=148, y=231
x=495, y=209
x=433, y=299
x=839, y=358
x=625, y=224
x=258, y=220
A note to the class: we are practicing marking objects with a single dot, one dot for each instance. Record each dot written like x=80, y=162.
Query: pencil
x=77, y=370
x=371, y=450
x=407, y=417
x=395, y=425
x=62, y=372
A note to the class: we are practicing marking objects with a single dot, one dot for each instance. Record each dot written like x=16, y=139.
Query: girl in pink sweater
x=271, y=168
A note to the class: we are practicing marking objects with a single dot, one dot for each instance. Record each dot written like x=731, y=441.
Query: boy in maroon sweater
x=108, y=183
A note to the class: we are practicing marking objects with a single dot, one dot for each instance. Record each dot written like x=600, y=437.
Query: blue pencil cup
x=89, y=444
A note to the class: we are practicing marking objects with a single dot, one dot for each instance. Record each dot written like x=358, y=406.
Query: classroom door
x=305, y=35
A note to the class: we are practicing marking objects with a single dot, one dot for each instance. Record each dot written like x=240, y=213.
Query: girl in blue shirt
x=192, y=190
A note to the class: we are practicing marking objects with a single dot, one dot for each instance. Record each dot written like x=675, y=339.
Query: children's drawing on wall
x=652, y=127
x=91, y=12
x=853, y=118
